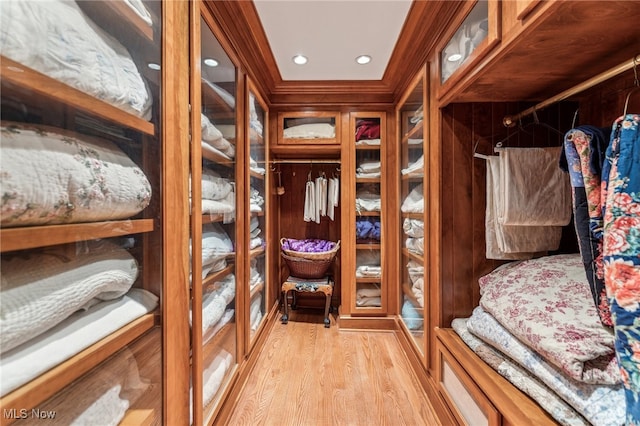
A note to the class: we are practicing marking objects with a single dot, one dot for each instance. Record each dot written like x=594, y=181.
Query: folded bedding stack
x=46, y=178
x=367, y=229
x=216, y=247
x=255, y=240
x=414, y=201
x=414, y=167
x=367, y=132
x=58, y=301
x=218, y=194
x=544, y=335
x=368, y=169
x=214, y=141
x=368, y=199
x=368, y=264
x=369, y=294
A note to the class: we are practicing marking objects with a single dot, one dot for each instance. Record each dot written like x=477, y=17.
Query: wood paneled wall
x=291, y=224
x=464, y=189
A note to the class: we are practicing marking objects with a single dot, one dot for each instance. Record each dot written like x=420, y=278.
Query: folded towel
x=534, y=191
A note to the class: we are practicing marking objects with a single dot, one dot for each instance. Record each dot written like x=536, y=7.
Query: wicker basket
x=306, y=268
x=323, y=255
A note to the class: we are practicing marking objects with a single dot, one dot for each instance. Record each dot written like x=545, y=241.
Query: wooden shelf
x=213, y=103
x=256, y=252
x=214, y=277
x=419, y=175
x=257, y=214
x=257, y=289
x=212, y=218
x=218, y=158
x=364, y=147
x=48, y=88
x=40, y=236
x=368, y=246
x=306, y=151
x=413, y=256
x=256, y=175
x=367, y=179
x=366, y=213
x=54, y=380
x=415, y=133
x=367, y=280
x=419, y=216
x=108, y=12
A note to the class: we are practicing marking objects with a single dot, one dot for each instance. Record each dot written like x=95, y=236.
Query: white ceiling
x=331, y=34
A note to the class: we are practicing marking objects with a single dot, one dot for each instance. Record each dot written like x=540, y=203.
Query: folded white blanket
x=213, y=136
x=368, y=271
x=74, y=334
x=367, y=200
x=414, y=201
x=215, y=187
x=102, y=396
x=416, y=275
x=55, y=38
x=414, y=167
x=368, y=294
x=41, y=288
x=52, y=175
x=214, y=302
x=413, y=227
x=415, y=245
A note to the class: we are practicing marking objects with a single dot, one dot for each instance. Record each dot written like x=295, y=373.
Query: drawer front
x=467, y=402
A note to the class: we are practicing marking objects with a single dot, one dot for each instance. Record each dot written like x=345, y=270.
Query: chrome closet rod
x=511, y=120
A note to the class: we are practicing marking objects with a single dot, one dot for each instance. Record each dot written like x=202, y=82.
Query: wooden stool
x=307, y=285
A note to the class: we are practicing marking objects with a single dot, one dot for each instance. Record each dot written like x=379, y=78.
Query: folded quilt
x=52, y=176
x=215, y=187
x=215, y=301
x=524, y=380
x=368, y=271
x=547, y=304
x=41, y=288
x=57, y=39
x=600, y=404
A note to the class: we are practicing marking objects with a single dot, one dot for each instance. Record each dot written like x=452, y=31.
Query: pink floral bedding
x=547, y=304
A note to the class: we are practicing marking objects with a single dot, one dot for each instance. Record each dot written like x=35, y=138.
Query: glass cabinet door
x=413, y=292
x=369, y=296
x=256, y=234
x=81, y=225
x=214, y=234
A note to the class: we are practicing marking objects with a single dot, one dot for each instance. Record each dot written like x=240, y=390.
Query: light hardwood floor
x=309, y=375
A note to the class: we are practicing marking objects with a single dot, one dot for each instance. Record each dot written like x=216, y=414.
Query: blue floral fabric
x=621, y=252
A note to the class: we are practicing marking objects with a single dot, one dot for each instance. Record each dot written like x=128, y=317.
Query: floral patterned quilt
x=547, y=304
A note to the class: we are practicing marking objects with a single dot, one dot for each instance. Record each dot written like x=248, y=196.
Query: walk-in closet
x=194, y=233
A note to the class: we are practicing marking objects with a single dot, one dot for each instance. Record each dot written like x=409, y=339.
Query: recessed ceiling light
x=454, y=57
x=210, y=62
x=153, y=66
x=300, y=59
x=363, y=59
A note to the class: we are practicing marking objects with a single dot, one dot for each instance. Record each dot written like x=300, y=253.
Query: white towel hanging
x=310, y=202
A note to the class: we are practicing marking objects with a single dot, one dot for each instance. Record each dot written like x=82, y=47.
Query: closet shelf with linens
x=81, y=210
x=555, y=319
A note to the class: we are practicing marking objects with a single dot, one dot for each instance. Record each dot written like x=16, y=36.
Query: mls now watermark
x=23, y=413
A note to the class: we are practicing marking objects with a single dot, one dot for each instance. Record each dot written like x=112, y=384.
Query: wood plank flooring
x=309, y=375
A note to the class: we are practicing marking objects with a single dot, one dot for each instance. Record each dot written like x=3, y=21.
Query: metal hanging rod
x=306, y=161
x=511, y=120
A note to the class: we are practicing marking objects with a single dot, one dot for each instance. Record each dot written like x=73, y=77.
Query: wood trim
x=426, y=380
x=49, y=383
x=480, y=399
x=49, y=88
x=175, y=213
x=31, y=237
x=360, y=322
x=515, y=407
